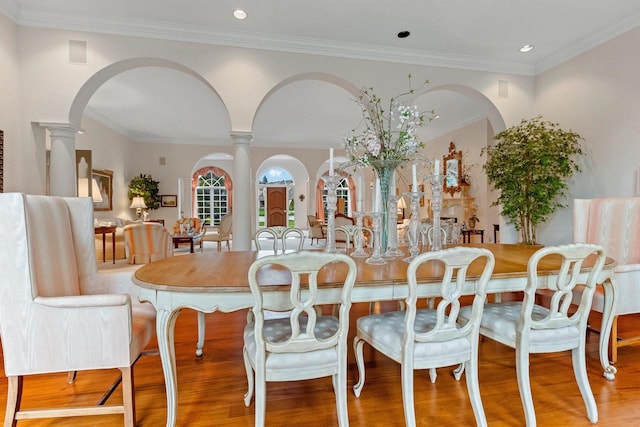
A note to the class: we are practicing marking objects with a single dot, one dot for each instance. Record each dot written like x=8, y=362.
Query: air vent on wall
x=77, y=51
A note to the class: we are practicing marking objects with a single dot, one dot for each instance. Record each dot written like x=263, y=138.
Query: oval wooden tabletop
x=227, y=271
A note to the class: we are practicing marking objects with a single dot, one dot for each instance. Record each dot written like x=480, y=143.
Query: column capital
x=240, y=137
x=61, y=129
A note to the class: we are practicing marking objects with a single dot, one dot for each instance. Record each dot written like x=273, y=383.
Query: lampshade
x=401, y=203
x=138, y=203
x=83, y=189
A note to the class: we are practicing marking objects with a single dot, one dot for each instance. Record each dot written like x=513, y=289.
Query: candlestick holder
x=436, y=207
x=414, y=222
x=376, y=257
x=359, y=252
x=392, y=228
x=331, y=183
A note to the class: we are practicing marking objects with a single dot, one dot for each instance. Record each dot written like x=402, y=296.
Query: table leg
x=104, y=247
x=482, y=236
x=165, y=324
x=191, y=247
x=113, y=246
x=605, y=329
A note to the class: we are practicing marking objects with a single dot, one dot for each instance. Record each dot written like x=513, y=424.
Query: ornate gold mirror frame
x=452, y=170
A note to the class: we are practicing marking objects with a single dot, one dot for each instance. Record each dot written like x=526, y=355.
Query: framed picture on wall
x=169, y=201
x=104, y=178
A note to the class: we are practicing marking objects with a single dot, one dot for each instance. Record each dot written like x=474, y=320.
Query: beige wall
x=10, y=106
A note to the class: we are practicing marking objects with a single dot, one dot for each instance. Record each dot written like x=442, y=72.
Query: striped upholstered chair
x=146, y=242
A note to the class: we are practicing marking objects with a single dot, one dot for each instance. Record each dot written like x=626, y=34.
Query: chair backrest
x=147, y=242
x=224, y=229
x=304, y=268
x=454, y=265
x=350, y=233
x=613, y=223
x=313, y=221
x=278, y=238
x=426, y=234
x=562, y=285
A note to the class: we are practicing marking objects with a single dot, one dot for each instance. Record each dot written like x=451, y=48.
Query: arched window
x=212, y=196
x=346, y=197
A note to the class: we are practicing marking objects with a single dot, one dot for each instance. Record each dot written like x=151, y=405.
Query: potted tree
x=146, y=187
x=530, y=166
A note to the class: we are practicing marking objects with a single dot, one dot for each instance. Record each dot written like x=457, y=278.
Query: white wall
x=596, y=95
x=10, y=110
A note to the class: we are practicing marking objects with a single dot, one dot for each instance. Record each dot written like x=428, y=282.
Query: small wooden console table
x=104, y=231
x=466, y=235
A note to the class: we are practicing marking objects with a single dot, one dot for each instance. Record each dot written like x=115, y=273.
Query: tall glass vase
x=384, y=170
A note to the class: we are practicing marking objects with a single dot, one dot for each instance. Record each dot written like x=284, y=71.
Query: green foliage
x=145, y=186
x=530, y=166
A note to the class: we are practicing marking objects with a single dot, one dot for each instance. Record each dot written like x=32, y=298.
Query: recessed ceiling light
x=437, y=116
x=240, y=14
x=526, y=48
x=403, y=34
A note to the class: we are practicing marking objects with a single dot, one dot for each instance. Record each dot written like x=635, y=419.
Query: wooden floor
x=211, y=388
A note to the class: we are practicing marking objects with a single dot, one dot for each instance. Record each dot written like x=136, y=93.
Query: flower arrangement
x=389, y=135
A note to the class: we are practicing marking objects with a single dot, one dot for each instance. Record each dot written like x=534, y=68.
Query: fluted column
x=242, y=191
x=62, y=169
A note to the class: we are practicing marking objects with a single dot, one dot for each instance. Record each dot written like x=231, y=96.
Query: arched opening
x=212, y=189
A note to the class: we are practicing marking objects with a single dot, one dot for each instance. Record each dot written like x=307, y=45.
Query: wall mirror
x=452, y=170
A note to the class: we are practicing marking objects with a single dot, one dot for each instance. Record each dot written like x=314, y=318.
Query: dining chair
x=219, y=233
x=279, y=238
x=614, y=223
x=306, y=345
x=431, y=338
x=426, y=235
x=56, y=313
x=350, y=234
x=533, y=328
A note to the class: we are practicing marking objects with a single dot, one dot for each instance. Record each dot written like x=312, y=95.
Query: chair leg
x=128, y=397
x=473, y=388
x=201, y=330
x=524, y=385
x=340, y=390
x=580, y=371
x=14, y=396
x=613, y=345
x=260, y=397
x=357, y=349
x=407, y=394
x=433, y=374
x=247, y=366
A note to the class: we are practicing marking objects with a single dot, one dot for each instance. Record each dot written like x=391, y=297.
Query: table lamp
x=138, y=204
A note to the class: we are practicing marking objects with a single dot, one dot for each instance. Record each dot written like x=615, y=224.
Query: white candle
x=436, y=167
x=331, y=161
x=392, y=185
x=378, y=199
x=414, y=176
x=359, y=193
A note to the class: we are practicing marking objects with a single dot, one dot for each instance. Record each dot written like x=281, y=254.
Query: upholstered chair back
x=147, y=242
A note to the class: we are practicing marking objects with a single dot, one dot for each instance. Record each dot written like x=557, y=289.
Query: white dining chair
x=305, y=345
x=279, y=239
x=533, y=328
x=428, y=338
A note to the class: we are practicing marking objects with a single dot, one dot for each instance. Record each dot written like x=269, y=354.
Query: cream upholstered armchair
x=220, y=233
x=55, y=313
x=146, y=242
x=614, y=223
x=316, y=230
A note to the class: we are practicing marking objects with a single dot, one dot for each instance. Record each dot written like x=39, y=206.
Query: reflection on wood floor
x=211, y=387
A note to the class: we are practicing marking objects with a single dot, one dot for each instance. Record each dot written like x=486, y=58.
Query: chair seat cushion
x=279, y=331
x=385, y=331
x=500, y=322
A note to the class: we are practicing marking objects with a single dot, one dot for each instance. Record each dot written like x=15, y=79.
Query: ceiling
x=161, y=105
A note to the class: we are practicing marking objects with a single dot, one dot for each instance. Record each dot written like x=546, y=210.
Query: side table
x=466, y=235
x=104, y=231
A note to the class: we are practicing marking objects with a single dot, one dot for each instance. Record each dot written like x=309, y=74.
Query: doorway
x=276, y=206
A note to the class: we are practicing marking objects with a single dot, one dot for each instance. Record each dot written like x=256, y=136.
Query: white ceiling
x=160, y=105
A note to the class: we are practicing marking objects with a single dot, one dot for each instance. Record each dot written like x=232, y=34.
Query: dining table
x=218, y=281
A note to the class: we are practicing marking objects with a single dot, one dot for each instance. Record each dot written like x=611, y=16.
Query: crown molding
x=595, y=39
x=300, y=45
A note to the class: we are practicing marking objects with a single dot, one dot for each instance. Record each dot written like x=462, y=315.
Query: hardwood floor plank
x=211, y=388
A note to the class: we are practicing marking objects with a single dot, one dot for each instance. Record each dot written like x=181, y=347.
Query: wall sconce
x=138, y=204
x=301, y=197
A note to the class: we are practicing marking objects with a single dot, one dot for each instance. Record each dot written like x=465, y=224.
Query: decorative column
x=62, y=170
x=242, y=191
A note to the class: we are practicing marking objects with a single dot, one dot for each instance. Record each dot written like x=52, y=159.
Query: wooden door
x=276, y=206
